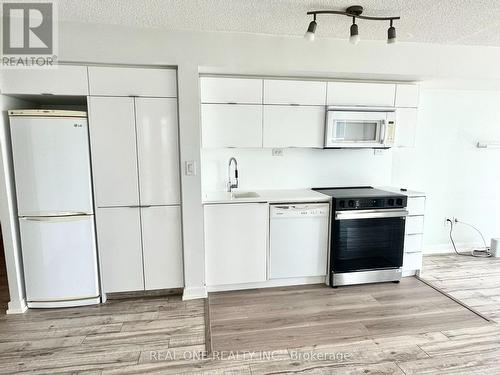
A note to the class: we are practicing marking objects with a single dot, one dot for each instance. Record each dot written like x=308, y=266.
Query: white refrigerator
x=54, y=201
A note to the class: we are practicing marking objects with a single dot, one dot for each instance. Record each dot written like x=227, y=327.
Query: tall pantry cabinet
x=135, y=159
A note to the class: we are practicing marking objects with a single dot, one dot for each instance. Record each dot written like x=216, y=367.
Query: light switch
x=190, y=168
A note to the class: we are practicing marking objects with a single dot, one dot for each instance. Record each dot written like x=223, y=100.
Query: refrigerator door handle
x=55, y=218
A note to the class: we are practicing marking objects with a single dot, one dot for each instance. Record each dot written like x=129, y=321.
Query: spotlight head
x=354, y=38
x=391, y=35
x=311, y=30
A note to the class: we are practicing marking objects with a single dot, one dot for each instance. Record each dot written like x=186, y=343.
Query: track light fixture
x=354, y=38
x=354, y=12
x=309, y=35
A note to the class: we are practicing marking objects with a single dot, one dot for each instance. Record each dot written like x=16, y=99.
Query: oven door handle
x=351, y=215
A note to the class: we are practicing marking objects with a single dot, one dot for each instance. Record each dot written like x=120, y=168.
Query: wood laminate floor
x=270, y=319
x=474, y=281
x=421, y=333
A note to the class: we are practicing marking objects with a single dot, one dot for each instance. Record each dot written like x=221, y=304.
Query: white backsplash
x=296, y=169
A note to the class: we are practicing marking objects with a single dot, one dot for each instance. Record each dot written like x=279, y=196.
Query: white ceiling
x=473, y=22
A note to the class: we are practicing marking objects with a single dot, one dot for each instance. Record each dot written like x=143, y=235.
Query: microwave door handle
x=383, y=131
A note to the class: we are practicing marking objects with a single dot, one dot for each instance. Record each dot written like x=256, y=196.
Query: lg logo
x=28, y=29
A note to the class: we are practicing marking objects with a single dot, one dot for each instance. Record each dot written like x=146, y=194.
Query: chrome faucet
x=230, y=185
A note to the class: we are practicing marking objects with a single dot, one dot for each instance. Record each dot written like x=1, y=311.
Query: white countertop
x=409, y=193
x=269, y=196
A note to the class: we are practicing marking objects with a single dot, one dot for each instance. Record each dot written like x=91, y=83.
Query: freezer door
x=59, y=257
x=51, y=165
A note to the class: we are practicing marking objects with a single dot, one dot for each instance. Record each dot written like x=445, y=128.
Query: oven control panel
x=370, y=203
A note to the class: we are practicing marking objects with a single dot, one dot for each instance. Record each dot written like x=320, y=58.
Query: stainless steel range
x=367, y=235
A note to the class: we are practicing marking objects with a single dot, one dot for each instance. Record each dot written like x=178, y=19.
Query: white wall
x=296, y=169
x=461, y=180
x=439, y=66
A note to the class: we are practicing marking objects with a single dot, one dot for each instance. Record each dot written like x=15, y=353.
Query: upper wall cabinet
x=407, y=95
x=118, y=81
x=231, y=125
x=406, y=127
x=294, y=126
x=294, y=92
x=231, y=90
x=362, y=94
x=62, y=80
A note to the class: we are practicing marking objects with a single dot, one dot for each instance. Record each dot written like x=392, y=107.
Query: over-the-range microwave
x=360, y=127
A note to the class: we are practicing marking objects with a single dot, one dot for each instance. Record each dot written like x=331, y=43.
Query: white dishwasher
x=298, y=240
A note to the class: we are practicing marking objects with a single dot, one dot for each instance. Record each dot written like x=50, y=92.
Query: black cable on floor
x=478, y=253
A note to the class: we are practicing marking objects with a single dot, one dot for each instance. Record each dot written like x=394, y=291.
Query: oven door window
x=356, y=131
x=367, y=244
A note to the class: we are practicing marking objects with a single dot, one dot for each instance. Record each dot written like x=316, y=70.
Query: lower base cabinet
x=120, y=249
x=140, y=248
x=162, y=247
x=236, y=243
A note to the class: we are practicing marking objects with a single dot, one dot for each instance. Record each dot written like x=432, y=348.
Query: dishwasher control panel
x=300, y=210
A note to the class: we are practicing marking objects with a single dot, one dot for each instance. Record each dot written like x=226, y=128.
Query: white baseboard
x=269, y=284
x=194, y=293
x=17, y=307
x=448, y=248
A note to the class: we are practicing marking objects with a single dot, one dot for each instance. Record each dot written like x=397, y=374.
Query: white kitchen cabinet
x=406, y=127
x=416, y=205
x=236, y=243
x=412, y=262
x=360, y=94
x=125, y=81
x=62, y=80
x=294, y=126
x=414, y=225
x=158, y=151
x=295, y=92
x=231, y=125
x=162, y=247
x=413, y=243
x=120, y=249
x=407, y=95
x=114, y=154
x=231, y=90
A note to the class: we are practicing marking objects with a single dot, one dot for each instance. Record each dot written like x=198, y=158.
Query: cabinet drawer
x=294, y=126
x=416, y=205
x=365, y=94
x=413, y=243
x=112, y=81
x=231, y=90
x=414, y=225
x=294, y=92
x=231, y=125
x=62, y=80
x=407, y=95
x=412, y=261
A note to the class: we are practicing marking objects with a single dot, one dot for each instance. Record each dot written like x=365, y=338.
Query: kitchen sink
x=246, y=194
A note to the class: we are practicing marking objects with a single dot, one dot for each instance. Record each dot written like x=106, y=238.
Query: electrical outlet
x=378, y=151
x=447, y=221
x=277, y=152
